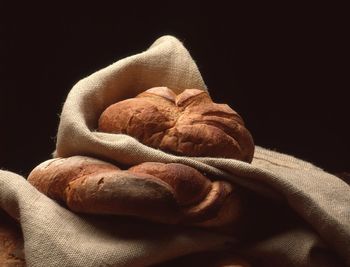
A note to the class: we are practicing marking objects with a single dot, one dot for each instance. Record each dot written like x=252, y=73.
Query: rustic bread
x=168, y=193
x=188, y=124
x=11, y=243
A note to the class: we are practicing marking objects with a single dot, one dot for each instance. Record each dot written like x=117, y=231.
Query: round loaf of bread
x=167, y=193
x=188, y=124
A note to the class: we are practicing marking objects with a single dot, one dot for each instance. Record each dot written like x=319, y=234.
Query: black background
x=283, y=68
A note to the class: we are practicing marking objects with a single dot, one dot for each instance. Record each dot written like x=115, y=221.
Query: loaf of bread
x=188, y=124
x=11, y=243
x=167, y=193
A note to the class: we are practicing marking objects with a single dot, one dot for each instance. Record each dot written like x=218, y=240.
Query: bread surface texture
x=167, y=193
x=187, y=124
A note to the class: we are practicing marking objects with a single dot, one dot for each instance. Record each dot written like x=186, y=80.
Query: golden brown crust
x=11, y=243
x=189, y=185
x=53, y=176
x=168, y=193
x=122, y=193
x=188, y=124
x=220, y=207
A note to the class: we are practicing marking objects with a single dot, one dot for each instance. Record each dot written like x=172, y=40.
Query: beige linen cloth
x=55, y=236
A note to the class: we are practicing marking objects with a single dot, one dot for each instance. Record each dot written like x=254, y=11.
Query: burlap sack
x=56, y=237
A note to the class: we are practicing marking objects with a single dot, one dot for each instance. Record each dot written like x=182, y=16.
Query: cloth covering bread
x=167, y=193
x=55, y=236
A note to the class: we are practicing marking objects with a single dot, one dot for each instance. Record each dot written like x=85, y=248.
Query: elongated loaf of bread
x=188, y=124
x=168, y=193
